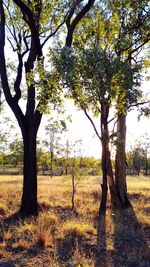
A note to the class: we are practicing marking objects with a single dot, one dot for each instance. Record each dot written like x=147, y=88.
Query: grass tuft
x=77, y=229
x=3, y=209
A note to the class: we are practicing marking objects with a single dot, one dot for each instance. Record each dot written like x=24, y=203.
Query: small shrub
x=43, y=238
x=46, y=226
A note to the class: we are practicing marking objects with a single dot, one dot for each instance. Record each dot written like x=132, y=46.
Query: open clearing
x=60, y=237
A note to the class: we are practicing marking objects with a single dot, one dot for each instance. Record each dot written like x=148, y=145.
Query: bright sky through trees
x=80, y=128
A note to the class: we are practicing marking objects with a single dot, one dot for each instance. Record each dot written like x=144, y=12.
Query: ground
x=61, y=237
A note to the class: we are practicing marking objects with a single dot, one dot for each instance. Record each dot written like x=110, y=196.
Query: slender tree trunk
x=73, y=193
x=120, y=162
x=29, y=204
x=102, y=208
x=73, y=184
x=146, y=164
x=105, y=150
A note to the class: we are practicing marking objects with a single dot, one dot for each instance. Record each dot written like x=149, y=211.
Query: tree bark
x=120, y=162
x=29, y=196
x=108, y=177
x=73, y=184
x=102, y=208
x=115, y=201
x=105, y=150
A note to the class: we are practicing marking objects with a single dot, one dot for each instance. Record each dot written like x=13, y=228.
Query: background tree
x=16, y=152
x=145, y=151
x=138, y=156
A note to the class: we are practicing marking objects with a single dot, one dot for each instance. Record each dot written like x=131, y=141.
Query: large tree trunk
x=29, y=196
x=115, y=201
x=106, y=164
x=120, y=162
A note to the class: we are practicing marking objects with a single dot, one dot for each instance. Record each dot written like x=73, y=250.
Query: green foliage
x=95, y=76
x=43, y=159
x=144, y=111
x=16, y=152
x=139, y=154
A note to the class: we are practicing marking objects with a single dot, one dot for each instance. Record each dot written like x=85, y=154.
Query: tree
x=75, y=167
x=99, y=73
x=29, y=26
x=137, y=163
x=6, y=128
x=127, y=41
x=92, y=77
x=16, y=151
x=133, y=36
x=140, y=154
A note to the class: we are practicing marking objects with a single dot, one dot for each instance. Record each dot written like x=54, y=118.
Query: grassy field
x=60, y=237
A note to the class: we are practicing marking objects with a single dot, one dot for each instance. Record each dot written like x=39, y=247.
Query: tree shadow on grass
x=66, y=249
x=100, y=257
x=7, y=264
x=130, y=246
x=129, y=240
x=13, y=219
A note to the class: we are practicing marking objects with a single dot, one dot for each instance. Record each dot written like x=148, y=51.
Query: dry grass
x=61, y=237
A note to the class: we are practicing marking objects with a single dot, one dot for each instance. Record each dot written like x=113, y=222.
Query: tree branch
x=54, y=32
x=146, y=40
x=72, y=10
x=5, y=85
x=71, y=26
x=139, y=104
x=32, y=23
x=18, y=79
x=96, y=131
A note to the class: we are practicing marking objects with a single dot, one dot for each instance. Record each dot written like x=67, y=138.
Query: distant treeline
x=47, y=165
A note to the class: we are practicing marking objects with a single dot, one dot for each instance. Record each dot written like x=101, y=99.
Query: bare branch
x=54, y=32
x=18, y=79
x=111, y=120
x=139, y=104
x=145, y=41
x=95, y=129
